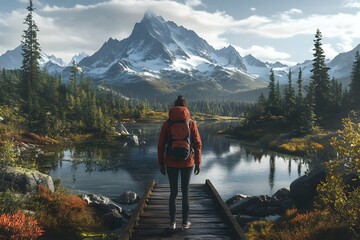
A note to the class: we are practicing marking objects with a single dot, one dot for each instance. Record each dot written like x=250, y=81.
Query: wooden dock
x=209, y=216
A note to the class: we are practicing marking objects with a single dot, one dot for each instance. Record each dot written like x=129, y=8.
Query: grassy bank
x=156, y=116
x=273, y=134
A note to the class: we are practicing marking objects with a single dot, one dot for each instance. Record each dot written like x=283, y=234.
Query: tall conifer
x=289, y=99
x=320, y=81
x=299, y=98
x=272, y=93
x=355, y=83
x=31, y=55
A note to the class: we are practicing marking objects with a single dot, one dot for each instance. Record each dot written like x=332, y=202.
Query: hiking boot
x=172, y=225
x=186, y=225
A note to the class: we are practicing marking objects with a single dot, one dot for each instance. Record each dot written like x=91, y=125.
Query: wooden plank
x=197, y=225
x=193, y=208
x=161, y=214
x=188, y=232
x=165, y=220
x=229, y=217
x=126, y=233
x=205, y=201
x=206, y=216
x=169, y=236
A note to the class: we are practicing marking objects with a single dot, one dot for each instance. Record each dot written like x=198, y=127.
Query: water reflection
x=109, y=168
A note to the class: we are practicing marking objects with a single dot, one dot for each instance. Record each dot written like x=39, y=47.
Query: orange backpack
x=179, y=143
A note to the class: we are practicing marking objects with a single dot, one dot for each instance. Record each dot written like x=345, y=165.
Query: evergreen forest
x=34, y=101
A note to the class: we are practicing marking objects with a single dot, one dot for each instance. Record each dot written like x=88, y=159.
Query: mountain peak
x=151, y=16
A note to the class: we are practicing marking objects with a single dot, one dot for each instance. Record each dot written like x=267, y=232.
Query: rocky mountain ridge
x=160, y=57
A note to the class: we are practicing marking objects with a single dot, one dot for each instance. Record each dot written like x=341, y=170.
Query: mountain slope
x=12, y=59
x=160, y=58
x=160, y=51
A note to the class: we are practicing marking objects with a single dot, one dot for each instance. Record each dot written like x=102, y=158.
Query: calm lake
x=113, y=168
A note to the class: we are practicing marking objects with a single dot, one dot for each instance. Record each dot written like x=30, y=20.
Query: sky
x=277, y=30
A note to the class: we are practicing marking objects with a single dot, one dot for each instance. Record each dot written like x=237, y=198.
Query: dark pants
x=173, y=175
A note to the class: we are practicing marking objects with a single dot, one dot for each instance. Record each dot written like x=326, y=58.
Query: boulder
x=258, y=211
x=303, y=189
x=235, y=199
x=240, y=206
x=288, y=204
x=133, y=139
x=282, y=194
x=248, y=204
x=101, y=203
x=113, y=219
x=111, y=214
x=24, y=180
x=128, y=197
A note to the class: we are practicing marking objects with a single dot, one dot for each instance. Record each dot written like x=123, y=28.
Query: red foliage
x=61, y=210
x=19, y=226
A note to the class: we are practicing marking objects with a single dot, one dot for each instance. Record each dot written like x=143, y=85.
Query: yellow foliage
x=301, y=145
x=335, y=194
x=299, y=226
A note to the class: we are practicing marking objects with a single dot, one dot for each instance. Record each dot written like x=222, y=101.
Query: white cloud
x=253, y=9
x=329, y=51
x=264, y=52
x=193, y=3
x=65, y=32
x=11, y=29
x=352, y=4
x=288, y=14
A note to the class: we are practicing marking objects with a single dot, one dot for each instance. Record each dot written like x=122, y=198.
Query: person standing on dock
x=179, y=150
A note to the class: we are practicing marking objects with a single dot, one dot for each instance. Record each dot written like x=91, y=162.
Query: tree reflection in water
x=228, y=163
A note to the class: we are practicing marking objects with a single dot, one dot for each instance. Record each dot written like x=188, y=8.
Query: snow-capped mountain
x=12, y=59
x=341, y=65
x=160, y=57
x=169, y=57
x=77, y=58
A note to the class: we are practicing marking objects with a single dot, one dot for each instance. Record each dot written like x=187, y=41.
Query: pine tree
x=301, y=112
x=336, y=97
x=73, y=79
x=289, y=100
x=31, y=55
x=355, y=83
x=321, y=81
x=261, y=105
x=271, y=106
x=278, y=100
x=299, y=98
x=310, y=117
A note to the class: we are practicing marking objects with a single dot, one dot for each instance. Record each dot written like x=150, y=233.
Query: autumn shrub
x=339, y=193
x=61, y=211
x=299, y=226
x=19, y=226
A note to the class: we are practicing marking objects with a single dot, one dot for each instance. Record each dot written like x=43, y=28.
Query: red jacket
x=179, y=113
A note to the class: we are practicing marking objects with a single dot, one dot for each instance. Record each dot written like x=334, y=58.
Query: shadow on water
x=112, y=167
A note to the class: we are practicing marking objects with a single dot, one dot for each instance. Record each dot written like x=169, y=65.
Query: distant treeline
x=220, y=107
x=323, y=102
x=54, y=107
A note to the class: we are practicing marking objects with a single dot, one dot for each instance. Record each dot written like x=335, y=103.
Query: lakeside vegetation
x=33, y=101
x=305, y=123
